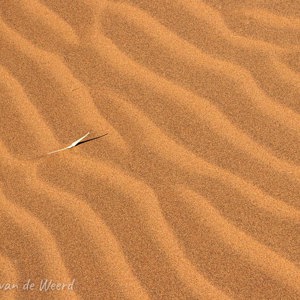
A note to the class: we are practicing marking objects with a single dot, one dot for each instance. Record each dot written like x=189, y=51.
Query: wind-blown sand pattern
x=194, y=192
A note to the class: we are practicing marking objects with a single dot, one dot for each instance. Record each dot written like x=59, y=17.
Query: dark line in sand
x=89, y=140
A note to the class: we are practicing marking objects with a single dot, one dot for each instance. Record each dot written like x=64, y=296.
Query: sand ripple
x=194, y=192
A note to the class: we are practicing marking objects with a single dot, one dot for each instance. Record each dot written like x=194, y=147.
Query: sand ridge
x=194, y=192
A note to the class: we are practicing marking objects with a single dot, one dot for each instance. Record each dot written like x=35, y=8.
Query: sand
x=193, y=192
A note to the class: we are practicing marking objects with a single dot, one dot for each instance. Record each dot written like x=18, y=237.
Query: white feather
x=72, y=145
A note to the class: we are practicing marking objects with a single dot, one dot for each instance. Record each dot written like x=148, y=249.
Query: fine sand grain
x=189, y=185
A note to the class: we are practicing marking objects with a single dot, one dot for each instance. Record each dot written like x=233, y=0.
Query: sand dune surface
x=187, y=186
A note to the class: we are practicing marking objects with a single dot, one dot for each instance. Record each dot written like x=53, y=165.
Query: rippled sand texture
x=194, y=192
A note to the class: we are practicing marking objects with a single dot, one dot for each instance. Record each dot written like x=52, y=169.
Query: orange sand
x=194, y=192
